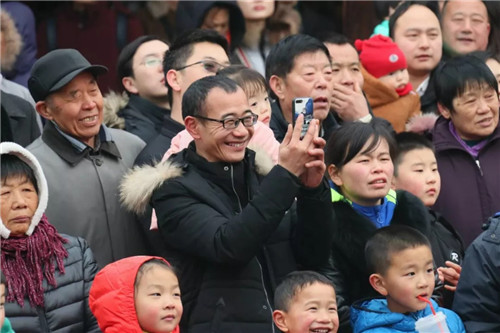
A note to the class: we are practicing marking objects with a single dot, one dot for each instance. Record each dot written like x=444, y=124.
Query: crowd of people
x=199, y=199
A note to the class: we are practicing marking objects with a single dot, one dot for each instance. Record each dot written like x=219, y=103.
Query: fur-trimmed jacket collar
x=137, y=187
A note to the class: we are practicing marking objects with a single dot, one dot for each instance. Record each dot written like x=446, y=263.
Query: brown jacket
x=387, y=104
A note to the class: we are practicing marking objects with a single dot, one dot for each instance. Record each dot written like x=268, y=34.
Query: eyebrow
x=233, y=114
x=336, y=63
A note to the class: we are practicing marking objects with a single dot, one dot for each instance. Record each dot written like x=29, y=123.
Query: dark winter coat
x=230, y=256
x=18, y=121
x=477, y=299
x=470, y=188
x=143, y=118
x=66, y=305
x=347, y=265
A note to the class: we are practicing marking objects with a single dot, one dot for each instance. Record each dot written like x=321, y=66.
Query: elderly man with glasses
x=192, y=56
x=233, y=223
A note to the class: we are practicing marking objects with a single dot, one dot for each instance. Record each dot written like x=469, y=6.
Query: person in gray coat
x=48, y=274
x=83, y=160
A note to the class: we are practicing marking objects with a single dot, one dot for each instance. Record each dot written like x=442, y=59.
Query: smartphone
x=303, y=105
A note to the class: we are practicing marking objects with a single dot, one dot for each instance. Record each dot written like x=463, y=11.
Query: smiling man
x=82, y=159
x=227, y=217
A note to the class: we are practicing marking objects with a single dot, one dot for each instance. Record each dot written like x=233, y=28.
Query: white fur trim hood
x=12, y=148
x=138, y=185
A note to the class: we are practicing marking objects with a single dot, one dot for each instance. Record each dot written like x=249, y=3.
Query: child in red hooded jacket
x=137, y=294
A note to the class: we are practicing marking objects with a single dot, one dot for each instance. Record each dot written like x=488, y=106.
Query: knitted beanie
x=380, y=56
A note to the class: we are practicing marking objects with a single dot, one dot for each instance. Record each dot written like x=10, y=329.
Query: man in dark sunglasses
x=232, y=223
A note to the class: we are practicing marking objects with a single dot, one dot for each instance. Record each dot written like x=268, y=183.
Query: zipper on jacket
x=479, y=167
x=234, y=189
x=265, y=292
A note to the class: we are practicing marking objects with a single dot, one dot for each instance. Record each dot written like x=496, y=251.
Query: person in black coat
x=19, y=123
x=233, y=223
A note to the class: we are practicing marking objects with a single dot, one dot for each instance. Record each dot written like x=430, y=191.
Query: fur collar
x=138, y=185
x=112, y=103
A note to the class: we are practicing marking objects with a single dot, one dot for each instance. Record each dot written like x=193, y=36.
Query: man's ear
x=192, y=126
x=43, y=109
x=173, y=78
x=333, y=172
x=377, y=282
x=444, y=111
x=279, y=318
x=277, y=85
x=129, y=84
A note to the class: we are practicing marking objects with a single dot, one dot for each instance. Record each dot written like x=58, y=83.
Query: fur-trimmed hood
x=137, y=187
x=114, y=102
x=12, y=148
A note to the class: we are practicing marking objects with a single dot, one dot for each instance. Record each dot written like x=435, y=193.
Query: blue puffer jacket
x=373, y=316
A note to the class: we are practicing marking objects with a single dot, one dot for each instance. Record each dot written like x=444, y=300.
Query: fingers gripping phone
x=303, y=105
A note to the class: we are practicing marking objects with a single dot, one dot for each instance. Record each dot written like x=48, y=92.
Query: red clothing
x=111, y=297
x=92, y=31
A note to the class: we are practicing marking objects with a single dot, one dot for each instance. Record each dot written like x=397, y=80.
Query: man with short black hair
x=193, y=55
x=140, y=71
x=82, y=159
x=228, y=216
x=298, y=66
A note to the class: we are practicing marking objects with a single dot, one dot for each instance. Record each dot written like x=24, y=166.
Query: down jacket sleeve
x=89, y=272
x=194, y=217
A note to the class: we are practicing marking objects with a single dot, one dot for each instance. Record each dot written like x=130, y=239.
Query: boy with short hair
x=416, y=171
x=305, y=302
x=401, y=263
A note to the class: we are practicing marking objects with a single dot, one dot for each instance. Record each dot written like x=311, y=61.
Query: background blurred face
x=18, y=204
x=158, y=300
x=345, y=65
x=465, y=26
x=216, y=143
x=418, y=34
x=215, y=58
x=397, y=80
x=217, y=19
x=418, y=174
x=475, y=114
x=2, y=304
x=148, y=80
x=494, y=66
x=311, y=76
x=256, y=9
x=77, y=108
x=366, y=179
x=313, y=309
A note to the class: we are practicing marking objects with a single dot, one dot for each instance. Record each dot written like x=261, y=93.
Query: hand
x=315, y=169
x=349, y=104
x=294, y=152
x=450, y=274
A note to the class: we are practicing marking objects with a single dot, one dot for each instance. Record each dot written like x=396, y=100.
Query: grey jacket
x=83, y=191
x=66, y=305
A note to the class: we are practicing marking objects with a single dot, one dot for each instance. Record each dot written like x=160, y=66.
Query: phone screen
x=303, y=105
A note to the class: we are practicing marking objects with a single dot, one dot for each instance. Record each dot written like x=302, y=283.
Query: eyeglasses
x=151, y=62
x=232, y=123
x=208, y=65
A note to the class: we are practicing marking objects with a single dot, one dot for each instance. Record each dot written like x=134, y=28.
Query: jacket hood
x=190, y=15
x=137, y=187
x=12, y=148
x=111, y=297
x=112, y=103
x=371, y=314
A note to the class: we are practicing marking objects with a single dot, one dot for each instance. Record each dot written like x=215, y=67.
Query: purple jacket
x=470, y=188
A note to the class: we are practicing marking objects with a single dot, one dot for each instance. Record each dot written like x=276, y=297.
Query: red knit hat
x=380, y=56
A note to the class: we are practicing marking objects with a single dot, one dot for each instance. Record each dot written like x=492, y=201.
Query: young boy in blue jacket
x=402, y=267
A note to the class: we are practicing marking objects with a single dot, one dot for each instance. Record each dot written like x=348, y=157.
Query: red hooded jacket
x=111, y=296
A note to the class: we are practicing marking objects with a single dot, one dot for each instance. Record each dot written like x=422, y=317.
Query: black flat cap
x=56, y=69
